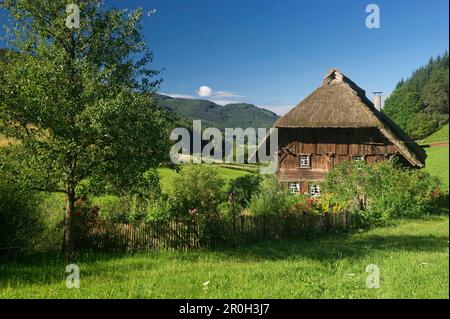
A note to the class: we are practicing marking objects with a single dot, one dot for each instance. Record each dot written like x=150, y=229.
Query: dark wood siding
x=328, y=147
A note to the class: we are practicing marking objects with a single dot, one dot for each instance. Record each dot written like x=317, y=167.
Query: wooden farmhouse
x=336, y=123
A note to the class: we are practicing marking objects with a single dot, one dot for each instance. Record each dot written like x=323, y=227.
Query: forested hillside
x=420, y=104
x=242, y=115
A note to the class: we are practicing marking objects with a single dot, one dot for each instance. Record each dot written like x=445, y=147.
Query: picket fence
x=184, y=235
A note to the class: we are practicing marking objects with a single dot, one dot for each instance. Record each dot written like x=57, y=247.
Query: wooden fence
x=184, y=235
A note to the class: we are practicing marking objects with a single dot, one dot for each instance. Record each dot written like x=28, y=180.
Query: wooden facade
x=325, y=148
x=337, y=123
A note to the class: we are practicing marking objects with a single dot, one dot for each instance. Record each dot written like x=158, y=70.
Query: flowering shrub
x=325, y=204
x=274, y=199
x=85, y=218
x=383, y=191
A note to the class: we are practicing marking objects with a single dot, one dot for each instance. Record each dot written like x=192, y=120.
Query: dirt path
x=438, y=144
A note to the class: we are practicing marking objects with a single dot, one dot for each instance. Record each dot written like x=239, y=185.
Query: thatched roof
x=340, y=103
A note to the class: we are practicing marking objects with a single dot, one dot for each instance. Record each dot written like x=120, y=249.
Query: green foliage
x=162, y=209
x=327, y=203
x=195, y=197
x=197, y=190
x=52, y=208
x=21, y=222
x=130, y=206
x=272, y=198
x=227, y=211
x=112, y=208
x=420, y=105
x=85, y=216
x=80, y=100
x=243, y=188
x=383, y=191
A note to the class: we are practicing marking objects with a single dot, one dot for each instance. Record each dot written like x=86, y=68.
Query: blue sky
x=273, y=53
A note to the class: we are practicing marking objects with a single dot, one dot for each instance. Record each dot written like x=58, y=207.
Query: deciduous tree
x=79, y=99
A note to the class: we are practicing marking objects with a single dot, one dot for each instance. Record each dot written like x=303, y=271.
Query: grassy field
x=226, y=173
x=412, y=257
x=438, y=136
x=437, y=163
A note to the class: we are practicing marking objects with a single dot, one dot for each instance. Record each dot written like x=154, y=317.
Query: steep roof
x=340, y=103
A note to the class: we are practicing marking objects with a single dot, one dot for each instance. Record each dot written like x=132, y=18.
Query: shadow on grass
x=330, y=249
x=45, y=269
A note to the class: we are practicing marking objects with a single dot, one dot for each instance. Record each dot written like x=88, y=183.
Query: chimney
x=377, y=100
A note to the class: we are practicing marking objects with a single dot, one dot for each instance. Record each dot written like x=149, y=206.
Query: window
x=314, y=190
x=294, y=188
x=304, y=161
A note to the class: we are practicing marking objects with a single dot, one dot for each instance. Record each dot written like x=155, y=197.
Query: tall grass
x=412, y=257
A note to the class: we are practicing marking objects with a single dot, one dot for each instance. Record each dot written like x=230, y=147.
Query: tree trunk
x=69, y=236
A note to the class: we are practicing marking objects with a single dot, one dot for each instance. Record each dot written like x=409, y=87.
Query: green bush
x=197, y=189
x=21, y=222
x=243, y=188
x=383, y=191
x=228, y=212
x=272, y=198
x=162, y=209
x=52, y=208
x=112, y=208
x=195, y=198
x=131, y=206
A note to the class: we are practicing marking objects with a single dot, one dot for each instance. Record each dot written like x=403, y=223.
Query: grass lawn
x=412, y=257
x=166, y=175
x=437, y=162
x=439, y=136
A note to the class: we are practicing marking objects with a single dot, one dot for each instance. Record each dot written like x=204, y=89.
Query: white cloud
x=204, y=91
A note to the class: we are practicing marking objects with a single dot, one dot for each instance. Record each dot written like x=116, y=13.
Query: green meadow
x=412, y=258
x=439, y=136
x=437, y=163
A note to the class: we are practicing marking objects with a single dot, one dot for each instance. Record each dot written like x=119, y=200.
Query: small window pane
x=294, y=188
x=314, y=190
x=304, y=161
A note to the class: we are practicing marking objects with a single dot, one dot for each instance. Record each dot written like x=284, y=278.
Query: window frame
x=301, y=157
x=358, y=158
x=316, y=188
x=297, y=192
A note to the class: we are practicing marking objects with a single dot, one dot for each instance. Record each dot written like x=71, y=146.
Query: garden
x=201, y=208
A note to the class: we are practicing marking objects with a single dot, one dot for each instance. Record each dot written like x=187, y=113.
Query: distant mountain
x=213, y=115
